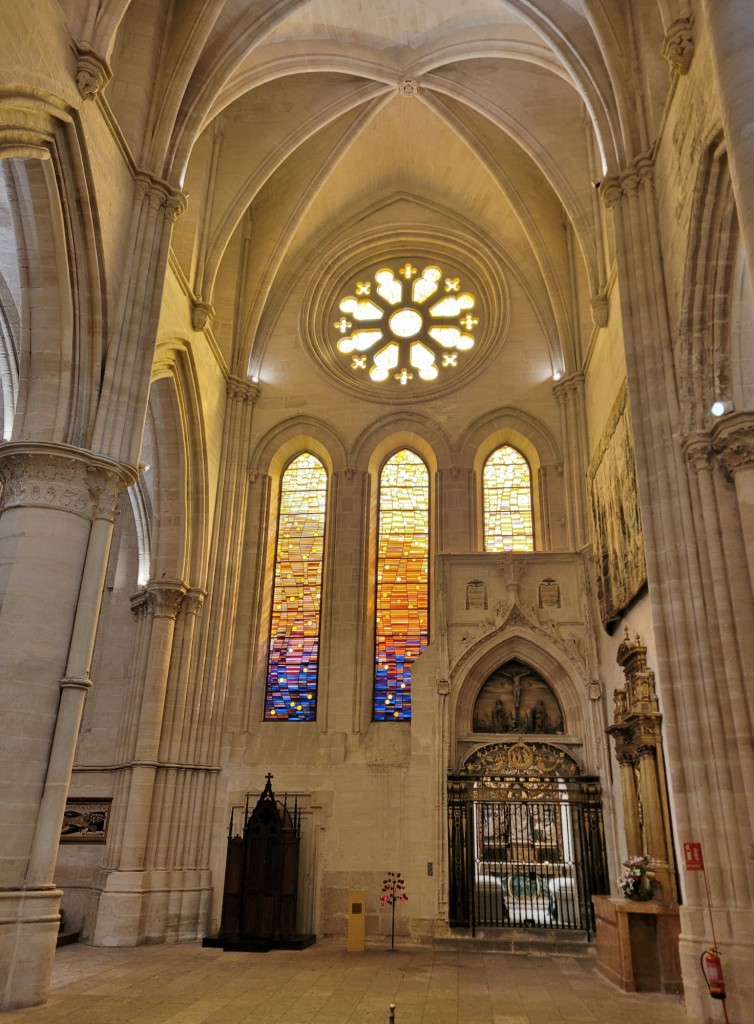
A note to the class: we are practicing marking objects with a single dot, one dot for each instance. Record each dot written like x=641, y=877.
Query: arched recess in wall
x=536, y=443
x=546, y=661
x=710, y=364
x=51, y=252
x=9, y=347
x=175, y=449
x=272, y=455
x=140, y=499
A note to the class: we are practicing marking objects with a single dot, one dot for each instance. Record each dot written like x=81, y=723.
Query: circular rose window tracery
x=405, y=324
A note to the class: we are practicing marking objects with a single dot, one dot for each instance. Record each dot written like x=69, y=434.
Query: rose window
x=406, y=324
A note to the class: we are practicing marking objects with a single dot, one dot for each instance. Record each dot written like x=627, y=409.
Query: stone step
x=545, y=941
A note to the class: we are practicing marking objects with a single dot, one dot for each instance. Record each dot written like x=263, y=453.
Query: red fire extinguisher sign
x=692, y=853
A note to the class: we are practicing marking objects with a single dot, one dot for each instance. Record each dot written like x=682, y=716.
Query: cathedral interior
x=378, y=427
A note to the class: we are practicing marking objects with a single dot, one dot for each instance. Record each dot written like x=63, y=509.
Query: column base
x=734, y=930
x=152, y=906
x=29, y=922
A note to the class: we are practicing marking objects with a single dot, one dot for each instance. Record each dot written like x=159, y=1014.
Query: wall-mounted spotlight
x=596, y=184
x=721, y=406
x=557, y=374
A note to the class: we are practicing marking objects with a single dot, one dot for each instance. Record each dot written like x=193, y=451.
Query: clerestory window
x=402, y=599
x=405, y=323
x=507, y=502
x=297, y=593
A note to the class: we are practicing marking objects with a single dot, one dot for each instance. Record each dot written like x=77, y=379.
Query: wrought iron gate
x=526, y=848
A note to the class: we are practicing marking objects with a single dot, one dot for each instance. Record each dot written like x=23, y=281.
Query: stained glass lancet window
x=402, y=604
x=506, y=482
x=297, y=593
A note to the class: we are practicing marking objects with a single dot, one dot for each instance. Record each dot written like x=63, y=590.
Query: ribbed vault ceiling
x=288, y=119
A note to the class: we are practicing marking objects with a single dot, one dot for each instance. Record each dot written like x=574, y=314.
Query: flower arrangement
x=634, y=882
x=393, y=891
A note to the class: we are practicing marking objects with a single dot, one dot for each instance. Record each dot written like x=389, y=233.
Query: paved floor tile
x=185, y=984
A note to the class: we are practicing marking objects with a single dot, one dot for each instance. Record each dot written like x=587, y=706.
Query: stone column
x=704, y=766
x=631, y=823
x=570, y=397
x=58, y=508
x=343, y=710
x=120, y=920
x=653, y=821
x=734, y=445
x=165, y=598
x=459, y=515
x=730, y=28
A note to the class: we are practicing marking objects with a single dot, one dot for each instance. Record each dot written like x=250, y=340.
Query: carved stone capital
x=699, y=450
x=600, y=307
x=193, y=601
x=629, y=182
x=611, y=191
x=201, y=314
x=105, y=489
x=92, y=71
x=240, y=390
x=566, y=388
x=625, y=757
x=43, y=475
x=733, y=441
x=140, y=603
x=165, y=597
x=175, y=203
x=646, y=750
x=678, y=48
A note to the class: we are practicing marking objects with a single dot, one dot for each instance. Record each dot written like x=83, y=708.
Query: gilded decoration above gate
x=531, y=759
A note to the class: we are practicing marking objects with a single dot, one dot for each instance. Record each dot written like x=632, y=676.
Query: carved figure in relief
x=538, y=717
x=500, y=717
x=515, y=699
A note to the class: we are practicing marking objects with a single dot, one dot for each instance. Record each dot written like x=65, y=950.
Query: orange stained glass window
x=506, y=482
x=402, y=628
x=297, y=593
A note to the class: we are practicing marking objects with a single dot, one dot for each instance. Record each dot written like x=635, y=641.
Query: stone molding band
x=730, y=441
x=733, y=441
x=63, y=478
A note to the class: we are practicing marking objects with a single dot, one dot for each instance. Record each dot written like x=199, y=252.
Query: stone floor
x=185, y=984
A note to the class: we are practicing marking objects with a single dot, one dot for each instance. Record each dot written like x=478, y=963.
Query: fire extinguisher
x=712, y=968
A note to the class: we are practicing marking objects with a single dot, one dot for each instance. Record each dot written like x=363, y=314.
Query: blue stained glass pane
x=297, y=593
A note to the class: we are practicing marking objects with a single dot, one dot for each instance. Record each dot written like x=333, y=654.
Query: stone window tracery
x=507, y=502
x=293, y=660
x=402, y=592
x=405, y=323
